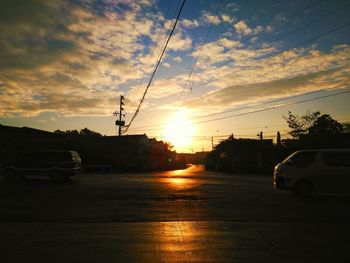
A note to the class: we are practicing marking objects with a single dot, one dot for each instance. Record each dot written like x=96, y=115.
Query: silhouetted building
x=242, y=155
x=124, y=153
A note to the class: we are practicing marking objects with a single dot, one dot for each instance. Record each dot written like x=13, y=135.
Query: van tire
x=304, y=189
x=56, y=175
x=9, y=174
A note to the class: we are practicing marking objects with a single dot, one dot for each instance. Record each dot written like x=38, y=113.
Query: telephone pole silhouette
x=120, y=122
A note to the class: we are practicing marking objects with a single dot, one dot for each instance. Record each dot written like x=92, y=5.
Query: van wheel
x=304, y=189
x=55, y=176
x=9, y=174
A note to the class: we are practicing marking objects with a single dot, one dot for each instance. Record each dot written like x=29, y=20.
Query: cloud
x=225, y=49
x=167, y=65
x=233, y=7
x=180, y=42
x=73, y=58
x=280, y=18
x=257, y=92
x=158, y=90
x=188, y=23
x=242, y=28
x=224, y=17
x=210, y=18
x=177, y=59
x=228, y=19
x=57, y=92
x=292, y=72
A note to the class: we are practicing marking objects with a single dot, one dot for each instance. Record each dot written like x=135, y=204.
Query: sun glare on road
x=179, y=130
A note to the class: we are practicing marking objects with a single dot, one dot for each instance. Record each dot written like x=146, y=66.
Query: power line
x=304, y=9
x=155, y=69
x=295, y=30
x=241, y=108
x=259, y=110
x=290, y=33
x=250, y=37
x=300, y=44
x=204, y=41
x=155, y=44
x=274, y=107
x=280, y=52
x=268, y=102
x=312, y=22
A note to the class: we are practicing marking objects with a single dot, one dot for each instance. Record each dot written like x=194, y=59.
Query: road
x=179, y=216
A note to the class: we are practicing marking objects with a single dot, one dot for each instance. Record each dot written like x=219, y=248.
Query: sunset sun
x=179, y=131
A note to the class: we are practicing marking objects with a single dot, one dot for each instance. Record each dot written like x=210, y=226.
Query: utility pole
x=120, y=122
x=260, y=135
x=278, y=138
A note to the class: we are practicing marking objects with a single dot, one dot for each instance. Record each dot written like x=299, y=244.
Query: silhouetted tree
x=83, y=132
x=312, y=123
x=59, y=132
x=300, y=125
x=346, y=127
x=87, y=132
x=325, y=125
x=72, y=132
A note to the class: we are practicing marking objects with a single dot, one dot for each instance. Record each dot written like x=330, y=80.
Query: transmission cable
x=246, y=107
x=282, y=36
x=274, y=107
x=282, y=51
x=250, y=37
x=155, y=45
x=204, y=42
x=155, y=69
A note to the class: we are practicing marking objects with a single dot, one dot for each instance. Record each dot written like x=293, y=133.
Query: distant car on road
x=308, y=171
x=55, y=164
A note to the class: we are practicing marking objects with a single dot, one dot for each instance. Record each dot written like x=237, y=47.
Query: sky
x=231, y=67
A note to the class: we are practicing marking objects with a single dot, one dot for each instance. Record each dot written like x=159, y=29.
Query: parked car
x=308, y=171
x=55, y=164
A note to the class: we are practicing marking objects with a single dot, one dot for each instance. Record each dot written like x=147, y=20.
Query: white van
x=308, y=171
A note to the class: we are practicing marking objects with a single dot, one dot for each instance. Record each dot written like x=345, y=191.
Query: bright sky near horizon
x=64, y=64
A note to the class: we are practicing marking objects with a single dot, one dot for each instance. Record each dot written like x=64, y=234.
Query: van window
x=336, y=158
x=303, y=158
x=59, y=156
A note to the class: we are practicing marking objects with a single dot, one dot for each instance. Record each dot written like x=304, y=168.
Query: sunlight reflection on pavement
x=182, y=179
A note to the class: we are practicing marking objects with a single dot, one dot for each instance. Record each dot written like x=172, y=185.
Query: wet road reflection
x=181, y=179
x=183, y=242
x=178, y=216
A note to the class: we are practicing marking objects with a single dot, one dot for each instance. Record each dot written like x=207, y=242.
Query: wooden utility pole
x=120, y=122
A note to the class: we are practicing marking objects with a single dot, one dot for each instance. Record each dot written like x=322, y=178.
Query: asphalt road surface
x=179, y=216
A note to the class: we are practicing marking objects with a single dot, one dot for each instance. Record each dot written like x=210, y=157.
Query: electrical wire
x=293, y=31
x=281, y=52
x=274, y=107
x=262, y=110
x=312, y=22
x=204, y=42
x=155, y=69
x=155, y=45
x=250, y=37
x=300, y=44
x=236, y=109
